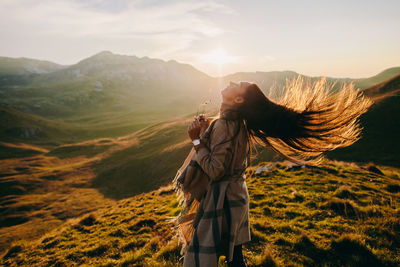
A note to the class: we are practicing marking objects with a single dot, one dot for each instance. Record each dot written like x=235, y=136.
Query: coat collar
x=228, y=112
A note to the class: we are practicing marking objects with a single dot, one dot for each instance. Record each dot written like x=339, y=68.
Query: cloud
x=170, y=26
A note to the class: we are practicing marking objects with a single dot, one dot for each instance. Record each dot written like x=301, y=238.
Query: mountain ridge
x=108, y=54
x=24, y=65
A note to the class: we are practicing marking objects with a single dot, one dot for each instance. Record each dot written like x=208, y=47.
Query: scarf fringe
x=184, y=225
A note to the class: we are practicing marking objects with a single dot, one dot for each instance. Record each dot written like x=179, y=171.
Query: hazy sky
x=330, y=38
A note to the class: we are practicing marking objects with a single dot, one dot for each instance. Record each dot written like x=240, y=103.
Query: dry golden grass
x=338, y=214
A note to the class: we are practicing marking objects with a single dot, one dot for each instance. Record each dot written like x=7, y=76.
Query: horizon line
x=183, y=63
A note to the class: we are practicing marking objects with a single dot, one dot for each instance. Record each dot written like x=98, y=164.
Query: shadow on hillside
x=344, y=251
x=130, y=172
x=379, y=142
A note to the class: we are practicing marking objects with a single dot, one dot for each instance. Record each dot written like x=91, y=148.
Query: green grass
x=338, y=214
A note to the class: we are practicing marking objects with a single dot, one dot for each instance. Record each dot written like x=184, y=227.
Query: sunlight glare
x=219, y=57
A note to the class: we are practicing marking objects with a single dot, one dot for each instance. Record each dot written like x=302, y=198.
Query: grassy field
x=338, y=214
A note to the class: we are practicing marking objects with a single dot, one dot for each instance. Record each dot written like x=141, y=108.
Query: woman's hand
x=197, y=127
x=194, y=129
x=204, y=123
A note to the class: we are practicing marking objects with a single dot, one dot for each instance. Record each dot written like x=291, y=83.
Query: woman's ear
x=239, y=99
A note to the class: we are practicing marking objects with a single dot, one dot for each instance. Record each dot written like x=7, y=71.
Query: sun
x=218, y=57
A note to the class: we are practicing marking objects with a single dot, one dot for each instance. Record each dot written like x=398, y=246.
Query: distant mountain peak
x=108, y=55
x=105, y=53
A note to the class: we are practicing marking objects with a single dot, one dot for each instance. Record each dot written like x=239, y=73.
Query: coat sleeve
x=215, y=160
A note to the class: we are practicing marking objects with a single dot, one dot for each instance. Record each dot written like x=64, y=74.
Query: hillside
x=379, y=142
x=105, y=83
x=25, y=127
x=22, y=71
x=385, y=89
x=18, y=125
x=41, y=187
x=111, y=95
x=338, y=214
x=380, y=77
x=273, y=82
x=105, y=95
x=23, y=66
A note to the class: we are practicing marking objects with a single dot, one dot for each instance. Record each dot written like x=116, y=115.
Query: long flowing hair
x=306, y=120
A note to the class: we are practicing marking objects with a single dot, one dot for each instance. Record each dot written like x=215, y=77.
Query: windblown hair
x=307, y=120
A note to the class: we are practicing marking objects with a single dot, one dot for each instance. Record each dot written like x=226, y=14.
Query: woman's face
x=234, y=92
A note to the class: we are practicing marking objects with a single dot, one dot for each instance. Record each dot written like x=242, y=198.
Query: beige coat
x=222, y=212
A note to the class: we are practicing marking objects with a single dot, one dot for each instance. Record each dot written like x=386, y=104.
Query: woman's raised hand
x=194, y=129
x=204, y=123
x=197, y=127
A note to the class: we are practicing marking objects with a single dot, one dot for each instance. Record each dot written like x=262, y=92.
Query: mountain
x=109, y=95
x=381, y=127
x=378, y=78
x=21, y=71
x=273, y=82
x=337, y=214
x=24, y=66
x=385, y=89
x=108, y=66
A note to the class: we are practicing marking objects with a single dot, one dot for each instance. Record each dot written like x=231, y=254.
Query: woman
x=307, y=121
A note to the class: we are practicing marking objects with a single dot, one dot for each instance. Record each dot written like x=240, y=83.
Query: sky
x=338, y=38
